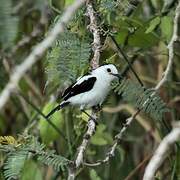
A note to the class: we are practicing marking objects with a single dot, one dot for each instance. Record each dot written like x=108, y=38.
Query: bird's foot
x=90, y=117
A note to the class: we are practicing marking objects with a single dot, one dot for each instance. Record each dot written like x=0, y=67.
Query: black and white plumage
x=89, y=90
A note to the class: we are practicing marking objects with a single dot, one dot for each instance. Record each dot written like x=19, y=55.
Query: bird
x=89, y=90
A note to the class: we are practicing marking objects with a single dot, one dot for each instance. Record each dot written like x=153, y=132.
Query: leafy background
x=34, y=149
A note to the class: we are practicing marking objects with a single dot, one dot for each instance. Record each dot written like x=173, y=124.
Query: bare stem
x=90, y=131
x=161, y=152
x=170, y=49
x=118, y=139
x=93, y=27
x=91, y=126
x=171, y=138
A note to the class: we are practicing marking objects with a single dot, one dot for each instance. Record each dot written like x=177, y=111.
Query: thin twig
x=172, y=137
x=171, y=49
x=38, y=51
x=135, y=170
x=118, y=139
x=111, y=152
x=120, y=52
x=43, y=115
x=161, y=152
x=132, y=5
x=140, y=119
x=91, y=129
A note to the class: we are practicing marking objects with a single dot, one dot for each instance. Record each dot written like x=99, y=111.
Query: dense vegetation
x=134, y=31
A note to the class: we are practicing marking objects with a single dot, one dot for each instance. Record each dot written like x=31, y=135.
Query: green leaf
x=68, y=2
x=153, y=24
x=93, y=175
x=120, y=155
x=166, y=27
x=97, y=140
x=144, y=99
x=51, y=159
x=142, y=39
x=121, y=36
x=32, y=173
x=47, y=132
x=69, y=54
x=101, y=138
x=14, y=164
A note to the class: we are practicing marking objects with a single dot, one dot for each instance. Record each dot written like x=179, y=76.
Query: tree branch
x=118, y=139
x=161, y=152
x=91, y=129
x=94, y=64
x=120, y=52
x=38, y=51
x=91, y=126
x=119, y=136
x=172, y=137
x=163, y=80
x=170, y=49
x=43, y=115
x=93, y=27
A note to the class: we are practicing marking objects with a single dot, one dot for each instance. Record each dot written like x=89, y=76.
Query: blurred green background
x=142, y=29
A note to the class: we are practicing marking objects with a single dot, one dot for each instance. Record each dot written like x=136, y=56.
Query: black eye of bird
x=108, y=70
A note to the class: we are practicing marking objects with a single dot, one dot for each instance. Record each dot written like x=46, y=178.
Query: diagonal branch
x=161, y=153
x=120, y=52
x=119, y=136
x=172, y=137
x=171, y=49
x=38, y=51
x=43, y=115
x=91, y=129
x=163, y=80
x=118, y=139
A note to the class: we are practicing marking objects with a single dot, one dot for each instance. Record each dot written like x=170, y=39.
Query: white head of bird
x=107, y=72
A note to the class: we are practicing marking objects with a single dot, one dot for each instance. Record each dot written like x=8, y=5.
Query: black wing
x=75, y=89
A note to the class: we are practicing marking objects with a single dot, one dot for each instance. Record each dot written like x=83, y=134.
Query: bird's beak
x=117, y=75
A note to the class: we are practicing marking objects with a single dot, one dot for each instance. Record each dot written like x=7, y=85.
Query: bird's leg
x=82, y=110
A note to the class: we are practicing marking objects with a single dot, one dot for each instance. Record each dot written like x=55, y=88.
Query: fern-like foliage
x=66, y=58
x=51, y=159
x=8, y=24
x=17, y=157
x=144, y=99
x=14, y=164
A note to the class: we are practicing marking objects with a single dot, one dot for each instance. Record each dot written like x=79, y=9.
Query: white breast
x=93, y=97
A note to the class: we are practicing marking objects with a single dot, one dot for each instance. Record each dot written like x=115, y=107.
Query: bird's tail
x=57, y=108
